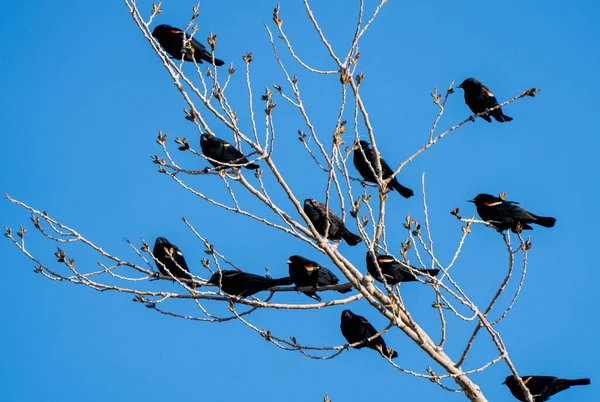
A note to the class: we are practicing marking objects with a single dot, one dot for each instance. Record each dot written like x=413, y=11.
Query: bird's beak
x=288, y=262
x=504, y=382
x=460, y=86
x=473, y=201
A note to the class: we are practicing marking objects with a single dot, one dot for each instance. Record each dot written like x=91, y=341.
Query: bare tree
x=361, y=205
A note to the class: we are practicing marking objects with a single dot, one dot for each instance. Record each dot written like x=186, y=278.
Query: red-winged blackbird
x=318, y=215
x=221, y=151
x=506, y=214
x=171, y=39
x=306, y=273
x=394, y=271
x=356, y=328
x=244, y=284
x=541, y=387
x=369, y=174
x=162, y=249
x=479, y=98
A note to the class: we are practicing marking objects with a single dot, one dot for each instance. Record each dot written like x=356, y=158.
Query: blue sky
x=84, y=97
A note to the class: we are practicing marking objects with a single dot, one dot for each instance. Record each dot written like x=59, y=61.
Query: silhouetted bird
x=162, y=249
x=171, y=39
x=318, y=215
x=541, y=387
x=394, y=271
x=369, y=174
x=479, y=98
x=356, y=328
x=506, y=214
x=244, y=284
x=222, y=154
x=306, y=273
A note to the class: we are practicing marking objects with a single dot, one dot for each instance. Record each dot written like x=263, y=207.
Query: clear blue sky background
x=83, y=96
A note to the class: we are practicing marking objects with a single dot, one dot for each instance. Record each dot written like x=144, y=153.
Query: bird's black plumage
x=162, y=249
x=356, y=328
x=244, y=284
x=505, y=215
x=172, y=40
x=479, y=98
x=367, y=167
x=222, y=154
x=541, y=387
x=319, y=215
x=305, y=273
x=394, y=271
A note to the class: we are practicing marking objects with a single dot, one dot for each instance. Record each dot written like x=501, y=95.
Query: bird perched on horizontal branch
x=479, y=98
x=305, y=273
x=356, y=328
x=394, y=271
x=541, y=387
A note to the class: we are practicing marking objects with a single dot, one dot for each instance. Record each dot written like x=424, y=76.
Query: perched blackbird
x=479, y=98
x=161, y=251
x=318, y=215
x=243, y=284
x=394, y=271
x=221, y=151
x=364, y=168
x=506, y=214
x=306, y=273
x=541, y=387
x=171, y=39
x=356, y=328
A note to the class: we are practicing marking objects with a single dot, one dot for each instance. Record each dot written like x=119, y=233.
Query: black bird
x=162, y=249
x=506, y=214
x=172, y=40
x=369, y=174
x=223, y=154
x=244, y=284
x=394, y=271
x=305, y=272
x=318, y=215
x=356, y=328
x=479, y=98
x=541, y=387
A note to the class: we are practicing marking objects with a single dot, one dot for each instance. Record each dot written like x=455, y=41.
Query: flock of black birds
x=304, y=273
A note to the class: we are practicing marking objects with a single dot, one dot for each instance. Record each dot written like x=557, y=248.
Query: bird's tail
x=251, y=166
x=581, y=381
x=432, y=272
x=404, y=191
x=545, y=221
x=391, y=353
x=351, y=238
x=206, y=56
x=313, y=295
x=345, y=290
x=281, y=281
x=502, y=118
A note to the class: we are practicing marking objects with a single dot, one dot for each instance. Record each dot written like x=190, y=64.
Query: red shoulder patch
x=487, y=91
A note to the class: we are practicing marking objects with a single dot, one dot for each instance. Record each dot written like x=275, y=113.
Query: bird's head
x=486, y=199
x=347, y=315
x=469, y=83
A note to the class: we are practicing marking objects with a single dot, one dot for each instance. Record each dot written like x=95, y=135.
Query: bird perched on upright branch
x=170, y=259
x=479, y=98
x=305, y=273
x=356, y=328
x=244, y=284
x=541, y=387
x=180, y=45
x=222, y=154
x=394, y=271
x=505, y=215
x=367, y=167
x=324, y=219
